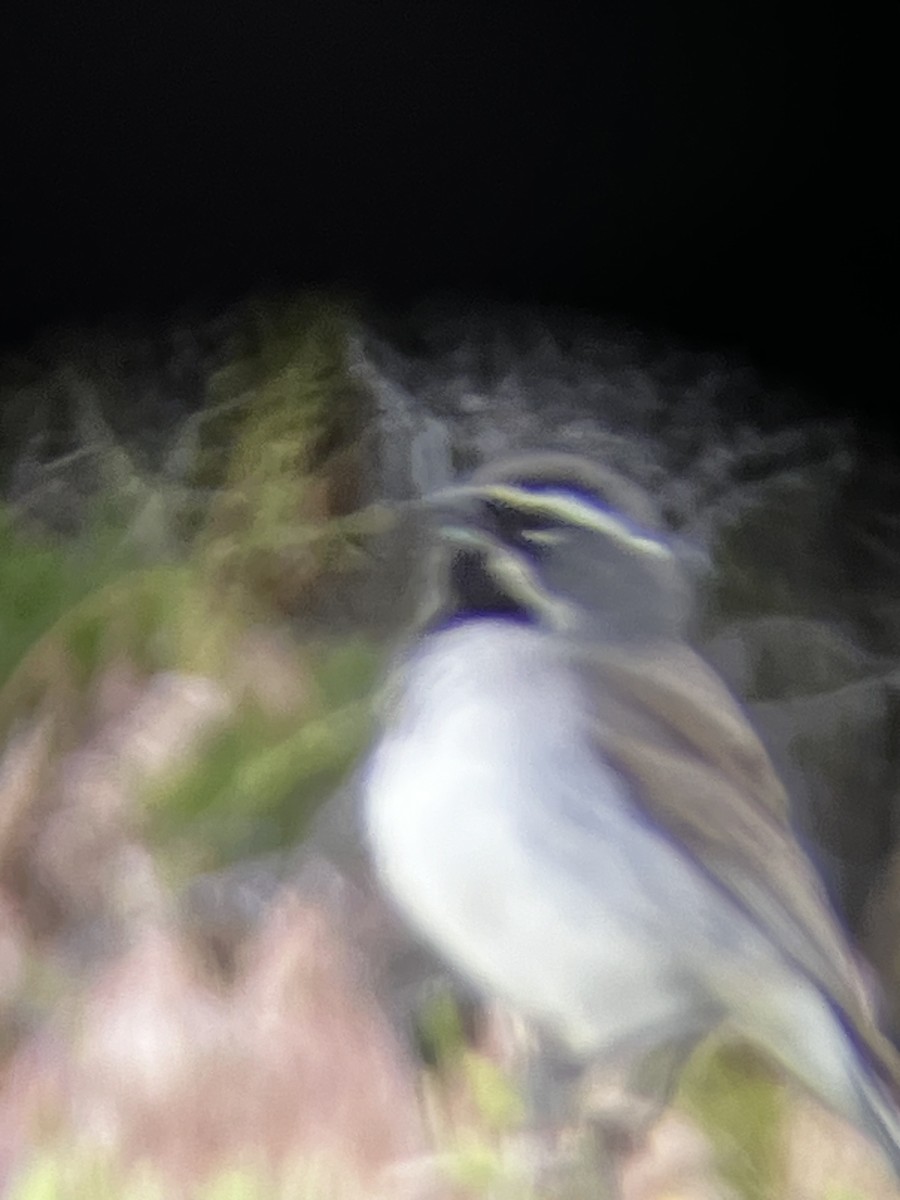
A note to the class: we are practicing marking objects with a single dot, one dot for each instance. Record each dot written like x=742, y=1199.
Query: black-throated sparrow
x=570, y=806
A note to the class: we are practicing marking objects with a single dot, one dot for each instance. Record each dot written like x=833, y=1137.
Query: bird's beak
x=458, y=512
x=458, y=498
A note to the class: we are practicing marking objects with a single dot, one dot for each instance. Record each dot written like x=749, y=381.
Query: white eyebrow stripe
x=570, y=509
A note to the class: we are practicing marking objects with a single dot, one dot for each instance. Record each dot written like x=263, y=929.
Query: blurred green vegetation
x=171, y=569
x=445, y=1044
x=476, y=1172
x=740, y=1105
x=260, y=777
x=76, y=1175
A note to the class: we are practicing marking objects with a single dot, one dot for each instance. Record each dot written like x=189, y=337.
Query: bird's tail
x=842, y=1059
x=876, y=1081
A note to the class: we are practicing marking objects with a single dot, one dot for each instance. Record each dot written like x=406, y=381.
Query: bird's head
x=557, y=540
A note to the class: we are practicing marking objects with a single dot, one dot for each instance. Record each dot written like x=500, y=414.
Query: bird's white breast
x=488, y=745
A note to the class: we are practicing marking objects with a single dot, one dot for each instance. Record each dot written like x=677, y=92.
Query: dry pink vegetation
x=290, y=1060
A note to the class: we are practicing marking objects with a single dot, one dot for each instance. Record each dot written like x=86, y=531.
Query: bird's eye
x=542, y=537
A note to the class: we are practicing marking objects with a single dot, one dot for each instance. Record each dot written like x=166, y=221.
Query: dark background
x=717, y=171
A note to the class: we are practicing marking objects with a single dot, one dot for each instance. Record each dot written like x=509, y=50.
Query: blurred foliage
x=77, y=1175
x=445, y=1042
x=43, y=581
x=476, y=1166
x=260, y=777
x=739, y=1104
x=798, y=573
x=168, y=569
x=441, y=1029
x=476, y=1171
x=283, y=413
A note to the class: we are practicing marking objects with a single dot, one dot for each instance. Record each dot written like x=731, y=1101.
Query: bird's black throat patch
x=473, y=592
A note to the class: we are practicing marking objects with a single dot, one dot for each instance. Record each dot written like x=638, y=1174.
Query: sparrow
x=570, y=807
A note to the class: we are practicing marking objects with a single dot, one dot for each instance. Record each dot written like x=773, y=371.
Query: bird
x=569, y=806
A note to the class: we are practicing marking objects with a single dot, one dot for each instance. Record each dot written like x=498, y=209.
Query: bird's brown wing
x=698, y=771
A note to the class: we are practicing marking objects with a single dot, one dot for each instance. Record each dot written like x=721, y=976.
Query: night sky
x=719, y=171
